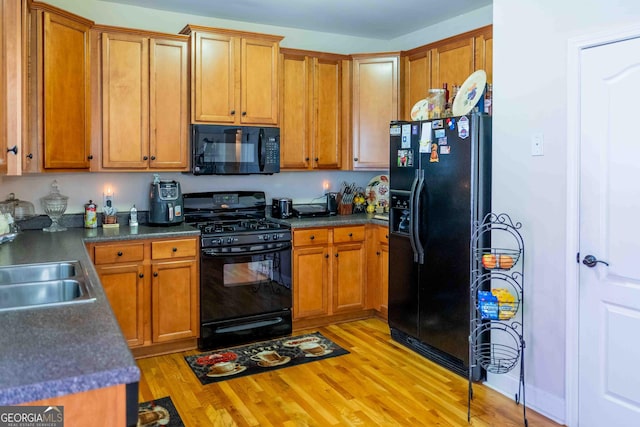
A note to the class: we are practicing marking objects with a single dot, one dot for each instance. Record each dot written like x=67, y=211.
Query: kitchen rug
x=158, y=412
x=220, y=365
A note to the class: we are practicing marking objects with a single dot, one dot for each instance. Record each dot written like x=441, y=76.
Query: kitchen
x=521, y=183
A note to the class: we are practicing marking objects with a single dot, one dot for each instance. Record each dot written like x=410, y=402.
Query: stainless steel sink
x=38, y=272
x=39, y=285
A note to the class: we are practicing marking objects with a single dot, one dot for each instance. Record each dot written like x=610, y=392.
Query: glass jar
x=436, y=103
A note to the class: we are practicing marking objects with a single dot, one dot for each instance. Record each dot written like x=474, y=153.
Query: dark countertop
x=333, y=221
x=53, y=351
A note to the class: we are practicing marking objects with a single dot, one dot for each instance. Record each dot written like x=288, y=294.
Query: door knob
x=591, y=261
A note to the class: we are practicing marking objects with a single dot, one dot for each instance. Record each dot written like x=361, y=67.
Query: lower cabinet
x=378, y=268
x=329, y=270
x=152, y=286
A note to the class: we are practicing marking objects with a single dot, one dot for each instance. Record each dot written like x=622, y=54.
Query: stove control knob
x=276, y=236
x=266, y=237
x=229, y=239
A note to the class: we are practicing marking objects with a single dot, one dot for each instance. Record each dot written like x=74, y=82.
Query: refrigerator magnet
x=445, y=149
x=442, y=141
x=437, y=124
x=425, y=137
x=439, y=133
x=434, y=154
x=406, y=136
x=463, y=127
x=405, y=158
x=451, y=124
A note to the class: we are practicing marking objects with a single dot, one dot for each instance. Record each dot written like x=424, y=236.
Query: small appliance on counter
x=281, y=208
x=332, y=203
x=310, y=210
x=165, y=202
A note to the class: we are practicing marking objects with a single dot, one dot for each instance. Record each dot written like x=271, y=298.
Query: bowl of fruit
x=499, y=259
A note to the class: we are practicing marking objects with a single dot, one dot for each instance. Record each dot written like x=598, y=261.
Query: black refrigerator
x=440, y=184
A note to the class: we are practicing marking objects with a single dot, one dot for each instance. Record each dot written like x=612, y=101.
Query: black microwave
x=234, y=150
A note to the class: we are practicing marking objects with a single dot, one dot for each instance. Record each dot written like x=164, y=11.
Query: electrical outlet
x=537, y=144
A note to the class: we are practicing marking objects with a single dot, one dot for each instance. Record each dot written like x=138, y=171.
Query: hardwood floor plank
x=379, y=383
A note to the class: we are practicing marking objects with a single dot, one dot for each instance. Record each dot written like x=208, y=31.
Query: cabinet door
x=327, y=113
x=383, y=274
x=484, y=52
x=375, y=104
x=216, y=68
x=295, y=111
x=349, y=272
x=259, y=82
x=310, y=282
x=417, y=80
x=174, y=300
x=452, y=62
x=125, y=101
x=169, y=120
x=124, y=286
x=66, y=93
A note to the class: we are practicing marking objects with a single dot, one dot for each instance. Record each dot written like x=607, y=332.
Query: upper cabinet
x=234, y=76
x=448, y=61
x=141, y=107
x=375, y=104
x=314, y=109
x=11, y=78
x=59, y=91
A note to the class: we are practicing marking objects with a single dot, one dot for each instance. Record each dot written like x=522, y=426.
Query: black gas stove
x=245, y=268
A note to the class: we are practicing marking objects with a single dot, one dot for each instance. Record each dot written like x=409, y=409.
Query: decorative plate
x=377, y=191
x=469, y=93
x=420, y=110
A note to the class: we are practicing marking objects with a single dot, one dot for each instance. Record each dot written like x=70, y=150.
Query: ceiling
x=377, y=19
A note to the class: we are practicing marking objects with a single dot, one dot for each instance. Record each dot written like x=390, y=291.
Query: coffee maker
x=165, y=202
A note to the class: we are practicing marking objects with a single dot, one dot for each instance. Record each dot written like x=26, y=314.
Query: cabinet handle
x=141, y=275
x=145, y=158
x=244, y=113
x=119, y=253
x=153, y=157
x=355, y=159
x=336, y=255
x=90, y=157
x=326, y=255
x=233, y=112
x=306, y=159
x=155, y=274
x=30, y=156
x=174, y=249
x=350, y=234
x=13, y=150
x=386, y=236
x=378, y=253
x=312, y=237
x=316, y=159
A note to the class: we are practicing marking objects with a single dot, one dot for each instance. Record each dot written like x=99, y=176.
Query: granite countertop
x=53, y=351
x=333, y=221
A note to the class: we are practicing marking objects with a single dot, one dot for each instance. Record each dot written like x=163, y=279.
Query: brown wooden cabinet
x=153, y=289
x=378, y=268
x=142, y=109
x=329, y=275
x=448, y=61
x=234, y=76
x=60, y=95
x=314, y=109
x=375, y=103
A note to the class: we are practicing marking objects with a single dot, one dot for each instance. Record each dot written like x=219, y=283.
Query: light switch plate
x=537, y=144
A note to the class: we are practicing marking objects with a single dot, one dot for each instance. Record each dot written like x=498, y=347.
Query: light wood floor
x=380, y=383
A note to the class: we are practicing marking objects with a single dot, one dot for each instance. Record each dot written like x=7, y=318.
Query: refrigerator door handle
x=415, y=207
x=413, y=228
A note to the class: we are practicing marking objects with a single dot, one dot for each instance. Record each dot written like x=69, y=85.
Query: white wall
x=530, y=85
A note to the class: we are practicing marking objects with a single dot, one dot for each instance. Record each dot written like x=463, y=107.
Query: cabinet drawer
x=120, y=252
x=174, y=249
x=312, y=236
x=348, y=234
x=383, y=235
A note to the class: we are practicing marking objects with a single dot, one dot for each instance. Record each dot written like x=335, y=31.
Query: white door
x=609, y=331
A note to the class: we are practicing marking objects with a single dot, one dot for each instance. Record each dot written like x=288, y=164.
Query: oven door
x=245, y=294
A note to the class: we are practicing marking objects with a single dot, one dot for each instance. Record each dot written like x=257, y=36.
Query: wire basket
x=497, y=258
x=497, y=348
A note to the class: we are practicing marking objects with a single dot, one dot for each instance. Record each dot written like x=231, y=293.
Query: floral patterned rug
x=159, y=412
x=220, y=365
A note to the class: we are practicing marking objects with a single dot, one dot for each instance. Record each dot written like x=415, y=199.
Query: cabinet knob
x=155, y=274
x=355, y=159
x=30, y=156
x=244, y=113
x=312, y=237
x=350, y=234
x=378, y=253
x=386, y=236
x=336, y=255
x=232, y=112
x=141, y=275
x=119, y=253
x=326, y=256
x=145, y=158
x=153, y=157
x=174, y=249
x=316, y=159
x=90, y=157
x=306, y=159
x=13, y=150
